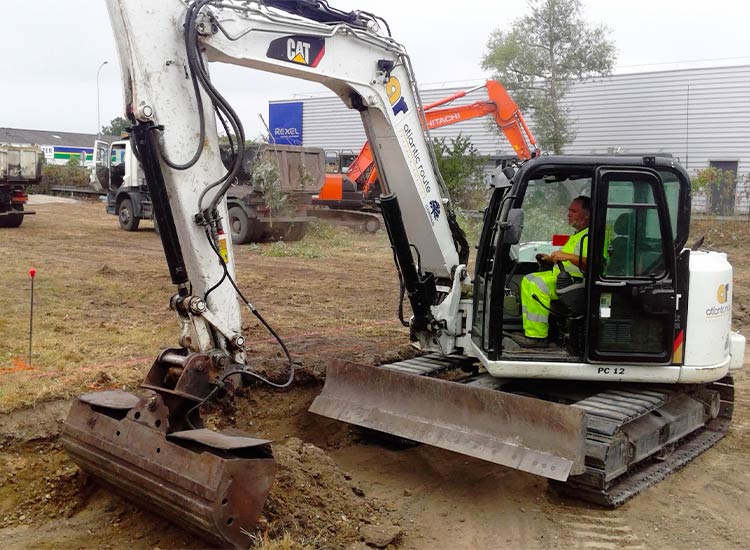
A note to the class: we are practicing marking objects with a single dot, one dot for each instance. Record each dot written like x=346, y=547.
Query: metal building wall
x=697, y=115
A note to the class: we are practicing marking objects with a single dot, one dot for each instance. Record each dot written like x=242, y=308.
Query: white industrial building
x=700, y=116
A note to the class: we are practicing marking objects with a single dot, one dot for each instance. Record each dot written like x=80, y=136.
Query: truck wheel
x=239, y=224
x=125, y=216
x=12, y=220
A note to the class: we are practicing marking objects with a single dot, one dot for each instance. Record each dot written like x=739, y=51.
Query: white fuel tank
x=709, y=309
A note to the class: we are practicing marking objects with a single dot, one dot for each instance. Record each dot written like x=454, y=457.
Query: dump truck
x=20, y=166
x=269, y=199
x=274, y=190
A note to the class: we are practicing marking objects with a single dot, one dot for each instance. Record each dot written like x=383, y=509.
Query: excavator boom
x=499, y=104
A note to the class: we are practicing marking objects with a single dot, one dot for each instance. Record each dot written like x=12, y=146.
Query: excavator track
x=636, y=434
x=612, y=414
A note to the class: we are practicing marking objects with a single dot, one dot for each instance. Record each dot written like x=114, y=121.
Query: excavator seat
x=571, y=293
x=619, y=248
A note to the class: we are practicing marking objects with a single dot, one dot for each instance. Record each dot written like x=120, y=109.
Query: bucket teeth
x=212, y=483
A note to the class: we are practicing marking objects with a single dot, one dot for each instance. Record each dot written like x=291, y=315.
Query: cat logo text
x=298, y=49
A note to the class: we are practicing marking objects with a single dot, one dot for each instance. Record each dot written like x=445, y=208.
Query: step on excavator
x=635, y=379
x=357, y=186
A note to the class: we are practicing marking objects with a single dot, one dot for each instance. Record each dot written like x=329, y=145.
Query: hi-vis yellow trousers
x=535, y=311
x=539, y=289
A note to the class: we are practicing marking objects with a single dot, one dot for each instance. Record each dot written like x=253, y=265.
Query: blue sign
x=286, y=123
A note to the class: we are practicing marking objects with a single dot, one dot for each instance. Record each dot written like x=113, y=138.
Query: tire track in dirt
x=741, y=418
x=599, y=530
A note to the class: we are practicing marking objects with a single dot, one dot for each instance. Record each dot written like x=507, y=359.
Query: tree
x=720, y=188
x=117, y=127
x=540, y=57
x=70, y=174
x=462, y=169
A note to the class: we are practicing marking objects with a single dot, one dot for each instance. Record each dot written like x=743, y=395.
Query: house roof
x=21, y=136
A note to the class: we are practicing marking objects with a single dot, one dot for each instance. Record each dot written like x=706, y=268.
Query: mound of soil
x=313, y=504
x=39, y=482
x=316, y=503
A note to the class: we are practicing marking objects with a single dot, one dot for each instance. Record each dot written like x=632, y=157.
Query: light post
x=98, y=122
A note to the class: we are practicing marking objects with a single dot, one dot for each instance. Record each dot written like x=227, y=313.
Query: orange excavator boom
x=508, y=117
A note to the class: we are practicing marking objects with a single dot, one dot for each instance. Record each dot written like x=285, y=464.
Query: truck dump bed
x=20, y=164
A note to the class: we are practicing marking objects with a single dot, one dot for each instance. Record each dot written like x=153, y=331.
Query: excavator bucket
x=525, y=433
x=212, y=483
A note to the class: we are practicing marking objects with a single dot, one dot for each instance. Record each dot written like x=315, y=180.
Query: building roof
x=21, y=136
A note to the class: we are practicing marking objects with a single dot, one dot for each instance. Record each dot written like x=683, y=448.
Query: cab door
x=632, y=294
x=101, y=165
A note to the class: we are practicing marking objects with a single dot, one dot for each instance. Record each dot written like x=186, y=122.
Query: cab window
x=672, y=192
x=333, y=162
x=633, y=239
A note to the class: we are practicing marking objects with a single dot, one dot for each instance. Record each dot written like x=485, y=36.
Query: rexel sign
x=286, y=122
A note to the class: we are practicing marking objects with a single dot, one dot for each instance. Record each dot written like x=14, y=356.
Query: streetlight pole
x=98, y=122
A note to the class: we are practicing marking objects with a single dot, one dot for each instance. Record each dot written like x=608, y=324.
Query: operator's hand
x=560, y=256
x=557, y=256
x=543, y=259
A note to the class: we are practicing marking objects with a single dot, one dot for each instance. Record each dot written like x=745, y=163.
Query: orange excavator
x=358, y=187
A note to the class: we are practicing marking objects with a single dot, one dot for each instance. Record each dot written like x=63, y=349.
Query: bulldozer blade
x=214, y=484
x=521, y=432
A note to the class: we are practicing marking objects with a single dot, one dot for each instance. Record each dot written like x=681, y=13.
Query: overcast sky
x=52, y=50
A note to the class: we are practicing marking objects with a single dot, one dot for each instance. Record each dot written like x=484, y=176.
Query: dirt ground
x=101, y=316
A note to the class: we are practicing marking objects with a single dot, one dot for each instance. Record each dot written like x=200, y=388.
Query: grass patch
x=297, y=250
x=262, y=542
x=335, y=237
x=718, y=231
x=101, y=302
x=320, y=239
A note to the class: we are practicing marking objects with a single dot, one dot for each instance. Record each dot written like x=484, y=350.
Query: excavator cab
x=626, y=309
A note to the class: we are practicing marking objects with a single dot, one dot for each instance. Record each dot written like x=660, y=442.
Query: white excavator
x=634, y=382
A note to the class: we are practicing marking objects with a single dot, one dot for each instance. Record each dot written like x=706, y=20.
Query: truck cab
x=118, y=173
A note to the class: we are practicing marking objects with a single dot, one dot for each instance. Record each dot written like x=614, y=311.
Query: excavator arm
x=369, y=71
x=499, y=104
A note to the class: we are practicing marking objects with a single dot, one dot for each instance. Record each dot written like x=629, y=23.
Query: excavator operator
x=539, y=289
